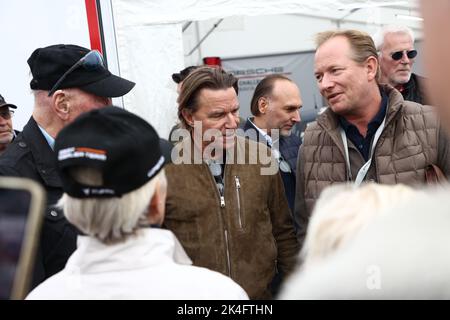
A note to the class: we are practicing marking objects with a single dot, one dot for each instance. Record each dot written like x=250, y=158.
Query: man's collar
x=262, y=132
x=378, y=119
x=50, y=140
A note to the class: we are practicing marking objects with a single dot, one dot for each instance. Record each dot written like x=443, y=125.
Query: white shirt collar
x=262, y=132
x=50, y=140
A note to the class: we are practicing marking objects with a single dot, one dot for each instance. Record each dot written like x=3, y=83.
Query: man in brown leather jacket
x=225, y=200
x=369, y=132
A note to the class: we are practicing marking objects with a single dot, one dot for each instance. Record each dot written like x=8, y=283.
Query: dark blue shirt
x=363, y=144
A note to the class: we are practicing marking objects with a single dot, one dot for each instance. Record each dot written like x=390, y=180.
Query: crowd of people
x=242, y=210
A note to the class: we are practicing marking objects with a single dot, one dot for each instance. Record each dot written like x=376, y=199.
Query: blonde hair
x=361, y=43
x=110, y=220
x=342, y=212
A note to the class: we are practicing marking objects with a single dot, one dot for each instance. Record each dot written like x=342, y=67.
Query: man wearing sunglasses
x=68, y=80
x=395, y=45
x=7, y=133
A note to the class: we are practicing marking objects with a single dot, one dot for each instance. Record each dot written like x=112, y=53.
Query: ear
x=61, y=104
x=156, y=207
x=372, y=67
x=263, y=103
x=187, y=115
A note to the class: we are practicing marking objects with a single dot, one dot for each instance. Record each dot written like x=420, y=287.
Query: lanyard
x=365, y=168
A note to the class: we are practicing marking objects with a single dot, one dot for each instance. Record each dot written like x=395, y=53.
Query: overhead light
x=372, y=5
x=405, y=17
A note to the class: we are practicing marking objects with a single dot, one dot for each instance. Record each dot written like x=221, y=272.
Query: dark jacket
x=30, y=156
x=288, y=147
x=248, y=235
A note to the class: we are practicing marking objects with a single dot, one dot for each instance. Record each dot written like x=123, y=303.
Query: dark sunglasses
x=7, y=114
x=93, y=60
x=411, y=54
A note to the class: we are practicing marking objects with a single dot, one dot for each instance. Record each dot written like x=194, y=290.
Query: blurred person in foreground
x=375, y=242
x=114, y=191
x=436, y=20
x=406, y=254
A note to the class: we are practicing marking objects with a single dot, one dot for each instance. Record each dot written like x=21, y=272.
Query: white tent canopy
x=145, y=41
x=150, y=39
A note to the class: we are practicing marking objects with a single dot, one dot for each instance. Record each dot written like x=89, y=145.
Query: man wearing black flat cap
x=68, y=80
x=7, y=133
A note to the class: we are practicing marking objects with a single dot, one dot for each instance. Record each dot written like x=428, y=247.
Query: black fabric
x=413, y=90
x=49, y=64
x=123, y=146
x=3, y=103
x=180, y=76
x=30, y=156
x=363, y=144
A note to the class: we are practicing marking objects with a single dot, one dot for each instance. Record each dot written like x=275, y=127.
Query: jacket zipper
x=227, y=245
x=238, y=187
x=222, y=205
x=228, y=253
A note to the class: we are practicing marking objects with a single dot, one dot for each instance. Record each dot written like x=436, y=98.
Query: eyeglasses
x=7, y=114
x=411, y=54
x=93, y=60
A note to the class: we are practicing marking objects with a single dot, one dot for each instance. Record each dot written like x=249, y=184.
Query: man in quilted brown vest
x=368, y=132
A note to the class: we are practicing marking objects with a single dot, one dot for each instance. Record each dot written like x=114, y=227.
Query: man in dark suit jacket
x=275, y=106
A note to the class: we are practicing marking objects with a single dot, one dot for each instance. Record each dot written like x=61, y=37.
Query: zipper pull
x=222, y=201
x=238, y=183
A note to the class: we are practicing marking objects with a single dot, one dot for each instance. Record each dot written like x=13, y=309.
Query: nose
x=405, y=58
x=232, y=121
x=326, y=83
x=296, y=117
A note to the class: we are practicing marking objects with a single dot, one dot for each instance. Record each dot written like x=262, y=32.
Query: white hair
x=404, y=254
x=110, y=219
x=379, y=37
x=342, y=212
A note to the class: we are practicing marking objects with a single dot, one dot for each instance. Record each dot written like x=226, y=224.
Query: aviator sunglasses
x=411, y=54
x=93, y=60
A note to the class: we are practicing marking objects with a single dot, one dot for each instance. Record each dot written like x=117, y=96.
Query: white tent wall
x=27, y=25
x=148, y=56
x=150, y=43
x=274, y=34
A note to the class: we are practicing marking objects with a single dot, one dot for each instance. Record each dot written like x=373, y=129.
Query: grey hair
x=110, y=220
x=342, y=212
x=378, y=38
